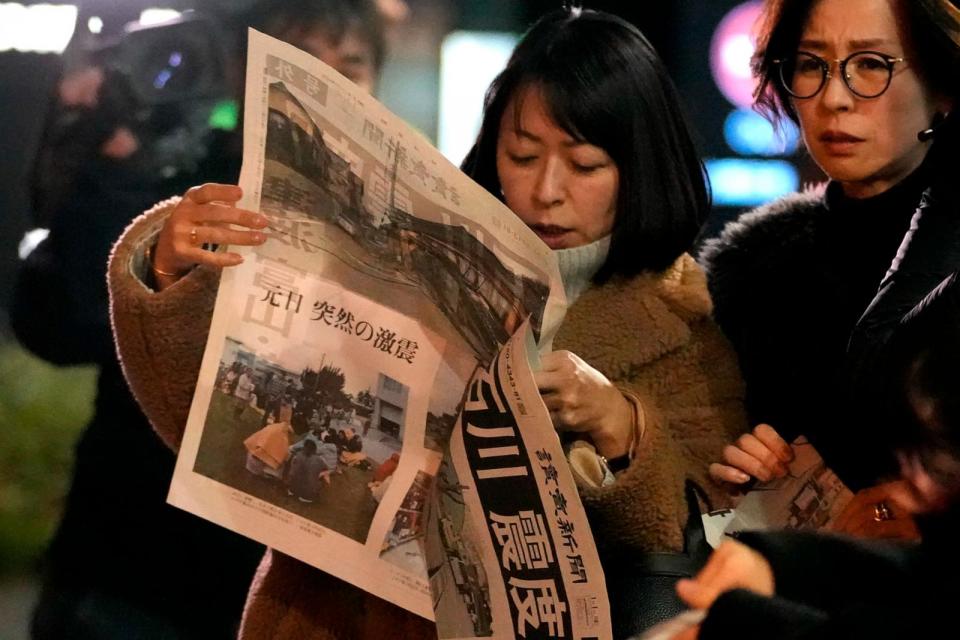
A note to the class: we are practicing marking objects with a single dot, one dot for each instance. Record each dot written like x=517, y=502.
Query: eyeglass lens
x=865, y=74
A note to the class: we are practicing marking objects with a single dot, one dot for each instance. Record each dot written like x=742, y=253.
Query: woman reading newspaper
x=584, y=140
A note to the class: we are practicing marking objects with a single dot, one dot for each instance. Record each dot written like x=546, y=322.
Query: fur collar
x=757, y=246
x=626, y=323
x=768, y=230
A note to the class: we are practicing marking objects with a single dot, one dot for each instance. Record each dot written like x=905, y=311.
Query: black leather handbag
x=641, y=587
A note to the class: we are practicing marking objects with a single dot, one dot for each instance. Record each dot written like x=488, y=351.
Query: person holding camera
x=123, y=563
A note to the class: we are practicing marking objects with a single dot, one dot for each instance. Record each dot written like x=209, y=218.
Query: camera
x=165, y=83
x=176, y=61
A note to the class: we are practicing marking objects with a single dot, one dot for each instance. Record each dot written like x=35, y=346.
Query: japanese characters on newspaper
x=373, y=358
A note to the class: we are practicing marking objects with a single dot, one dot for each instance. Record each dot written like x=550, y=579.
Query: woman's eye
x=808, y=65
x=870, y=63
x=586, y=168
x=520, y=159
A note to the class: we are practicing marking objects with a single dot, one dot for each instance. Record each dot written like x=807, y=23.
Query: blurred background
x=441, y=56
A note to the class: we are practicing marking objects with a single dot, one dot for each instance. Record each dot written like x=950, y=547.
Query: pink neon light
x=733, y=43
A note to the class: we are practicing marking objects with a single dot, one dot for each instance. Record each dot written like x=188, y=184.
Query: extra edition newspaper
x=374, y=358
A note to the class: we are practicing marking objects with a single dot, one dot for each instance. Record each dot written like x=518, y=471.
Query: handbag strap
x=695, y=544
x=696, y=549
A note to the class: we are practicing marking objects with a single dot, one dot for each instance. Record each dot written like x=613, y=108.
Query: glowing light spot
x=733, y=44
x=225, y=115
x=157, y=16
x=750, y=134
x=162, y=79
x=38, y=28
x=736, y=54
x=748, y=183
x=469, y=61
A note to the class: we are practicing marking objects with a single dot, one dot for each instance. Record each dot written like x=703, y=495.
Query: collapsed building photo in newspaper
x=374, y=359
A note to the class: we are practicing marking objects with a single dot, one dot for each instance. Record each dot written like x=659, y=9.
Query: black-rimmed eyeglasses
x=866, y=73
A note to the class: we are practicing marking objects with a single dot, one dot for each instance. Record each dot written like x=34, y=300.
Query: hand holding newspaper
x=810, y=496
x=373, y=359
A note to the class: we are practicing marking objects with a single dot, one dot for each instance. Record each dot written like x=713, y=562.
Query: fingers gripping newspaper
x=366, y=402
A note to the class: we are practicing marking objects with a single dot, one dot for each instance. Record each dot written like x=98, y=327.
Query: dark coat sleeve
x=59, y=309
x=930, y=252
x=826, y=571
x=827, y=586
x=52, y=318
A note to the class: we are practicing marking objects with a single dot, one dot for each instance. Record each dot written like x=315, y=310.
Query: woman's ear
x=925, y=493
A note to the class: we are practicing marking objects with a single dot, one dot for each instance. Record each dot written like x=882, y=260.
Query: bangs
x=571, y=114
x=560, y=108
x=575, y=91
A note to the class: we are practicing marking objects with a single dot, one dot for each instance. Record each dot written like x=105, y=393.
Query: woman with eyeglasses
x=809, y=288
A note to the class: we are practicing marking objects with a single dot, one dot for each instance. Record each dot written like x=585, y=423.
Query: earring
x=928, y=134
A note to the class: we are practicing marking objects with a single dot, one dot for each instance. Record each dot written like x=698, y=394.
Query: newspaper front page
x=504, y=480
x=339, y=359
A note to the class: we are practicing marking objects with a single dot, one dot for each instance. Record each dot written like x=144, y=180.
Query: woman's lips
x=839, y=143
x=553, y=236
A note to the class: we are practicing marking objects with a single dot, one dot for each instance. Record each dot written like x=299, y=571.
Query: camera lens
x=172, y=69
x=173, y=63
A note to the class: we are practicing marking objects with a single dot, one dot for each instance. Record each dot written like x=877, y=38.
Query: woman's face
x=352, y=56
x=565, y=190
x=867, y=145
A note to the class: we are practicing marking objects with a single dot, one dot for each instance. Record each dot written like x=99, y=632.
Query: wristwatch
x=618, y=464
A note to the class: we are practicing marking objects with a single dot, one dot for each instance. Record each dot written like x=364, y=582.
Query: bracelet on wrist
x=148, y=256
x=622, y=462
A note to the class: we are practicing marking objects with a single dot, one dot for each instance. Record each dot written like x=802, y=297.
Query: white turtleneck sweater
x=579, y=264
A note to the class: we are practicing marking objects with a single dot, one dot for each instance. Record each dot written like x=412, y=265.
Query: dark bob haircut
x=605, y=85
x=336, y=18
x=932, y=29
x=925, y=349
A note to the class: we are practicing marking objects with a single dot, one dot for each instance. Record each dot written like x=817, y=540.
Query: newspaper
x=501, y=477
x=338, y=363
x=809, y=497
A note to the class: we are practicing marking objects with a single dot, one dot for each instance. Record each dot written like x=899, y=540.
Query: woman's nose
x=550, y=182
x=836, y=94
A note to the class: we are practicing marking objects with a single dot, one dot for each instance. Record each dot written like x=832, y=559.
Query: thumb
x=694, y=594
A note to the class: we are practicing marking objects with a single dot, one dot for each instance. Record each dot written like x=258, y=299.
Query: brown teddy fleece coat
x=651, y=335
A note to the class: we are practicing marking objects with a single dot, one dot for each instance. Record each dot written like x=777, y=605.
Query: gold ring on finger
x=194, y=238
x=882, y=512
